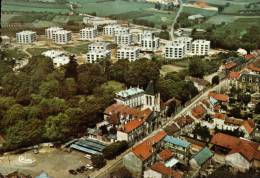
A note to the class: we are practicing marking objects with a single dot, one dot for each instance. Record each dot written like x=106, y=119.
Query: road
x=175, y=20
x=103, y=173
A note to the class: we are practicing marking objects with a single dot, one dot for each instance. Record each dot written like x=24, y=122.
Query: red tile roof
x=165, y=154
x=246, y=148
x=229, y=65
x=115, y=111
x=161, y=168
x=198, y=111
x=145, y=149
x=219, y=96
x=234, y=75
x=249, y=56
x=234, y=121
x=255, y=66
x=249, y=125
x=184, y=120
x=219, y=116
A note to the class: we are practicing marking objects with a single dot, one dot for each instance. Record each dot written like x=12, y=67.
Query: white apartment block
x=100, y=45
x=187, y=41
x=174, y=51
x=145, y=34
x=95, y=55
x=59, y=58
x=148, y=41
x=88, y=33
x=26, y=37
x=129, y=53
x=150, y=44
x=110, y=29
x=124, y=39
x=121, y=30
x=200, y=47
x=62, y=36
x=49, y=32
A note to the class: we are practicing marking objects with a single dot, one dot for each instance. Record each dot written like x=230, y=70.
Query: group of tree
x=43, y=103
x=115, y=149
x=224, y=39
x=143, y=22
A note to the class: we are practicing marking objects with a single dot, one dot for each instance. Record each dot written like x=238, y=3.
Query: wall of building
x=238, y=162
x=133, y=164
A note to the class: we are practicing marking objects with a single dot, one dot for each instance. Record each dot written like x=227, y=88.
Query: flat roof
x=83, y=149
x=171, y=162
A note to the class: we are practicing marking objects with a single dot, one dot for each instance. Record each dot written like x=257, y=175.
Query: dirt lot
x=55, y=162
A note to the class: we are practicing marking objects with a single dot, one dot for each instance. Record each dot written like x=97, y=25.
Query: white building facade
x=26, y=37
x=49, y=32
x=129, y=53
x=174, y=51
x=200, y=47
x=95, y=55
x=88, y=33
x=62, y=36
x=124, y=39
x=110, y=29
x=98, y=46
x=148, y=41
x=187, y=41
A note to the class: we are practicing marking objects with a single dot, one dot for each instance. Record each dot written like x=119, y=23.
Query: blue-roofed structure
x=202, y=156
x=176, y=141
x=213, y=101
x=88, y=146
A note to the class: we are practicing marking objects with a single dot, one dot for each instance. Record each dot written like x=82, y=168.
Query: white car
x=88, y=166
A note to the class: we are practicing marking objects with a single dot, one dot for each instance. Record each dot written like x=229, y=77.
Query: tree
x=98, y=161
x=71, y=68
x=50, y=89
x=196, y=68
x=171, y=108
x=23, y=133
x=13, y=114
x=245, y=98
x=115, y=149
x=257, y=108
x=235, y=112
x=70, y=88
x=57, y=127
x=164, y=35
x=215, y=80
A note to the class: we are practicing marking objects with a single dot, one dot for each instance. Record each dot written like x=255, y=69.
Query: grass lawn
x=78, y=49
x=170, y=68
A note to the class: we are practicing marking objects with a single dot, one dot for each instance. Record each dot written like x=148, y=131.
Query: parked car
x=73, y=172
x=88, y=166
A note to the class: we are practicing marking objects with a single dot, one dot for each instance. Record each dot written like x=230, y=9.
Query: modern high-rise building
x=49, y=32
x=100, y=45
x=187, y=41
x=62, y=36
x=88, y=33
x=148, y=41
x=26, y=37
x=174, y=51
x=129, y=53
x=110, y=29
x=200, y=47
x=95, y=55
x=123, y=39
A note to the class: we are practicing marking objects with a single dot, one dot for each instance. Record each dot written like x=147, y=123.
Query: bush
x=98, y=161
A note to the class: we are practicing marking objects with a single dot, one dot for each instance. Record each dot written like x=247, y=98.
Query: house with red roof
x=219, y=97
x=159, y=170
x=144, y=154
x=239, y=153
